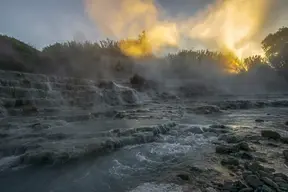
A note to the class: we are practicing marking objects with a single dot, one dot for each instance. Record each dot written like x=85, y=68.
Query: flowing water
x=136, y=167
x=69, y=146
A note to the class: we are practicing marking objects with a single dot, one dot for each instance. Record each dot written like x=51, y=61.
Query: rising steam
x=230, y=26
x=128, y=18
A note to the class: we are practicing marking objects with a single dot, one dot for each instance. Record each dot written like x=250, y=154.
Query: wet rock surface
x=230, y=161
x=285, y=154
x=259, y=120
x=238, y=154
x=141, y=83
x=208, y=109
x=239, y=157
x=106, y=130
x=270, y=134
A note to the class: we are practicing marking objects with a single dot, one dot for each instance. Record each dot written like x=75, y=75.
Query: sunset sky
x=42, y=22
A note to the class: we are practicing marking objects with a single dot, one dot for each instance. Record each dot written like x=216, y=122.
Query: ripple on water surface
x=157, y=187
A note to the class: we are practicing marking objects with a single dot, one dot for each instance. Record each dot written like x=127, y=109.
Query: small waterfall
x=3, y=112
x=128, y=95
x=104, y=142
x=48, y=83
x=36, y=94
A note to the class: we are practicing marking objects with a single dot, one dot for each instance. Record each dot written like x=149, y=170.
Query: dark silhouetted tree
x=275, y=46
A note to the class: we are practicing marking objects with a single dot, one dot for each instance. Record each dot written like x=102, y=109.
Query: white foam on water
x=186, y=139
x=134, y=92
x=168, y=138
x=129, y=147
x=158, y=187
x=170, y=149
x=49, y=86
x=143, y=158
x=121, y=170
x=195, y=140
x=7, y=162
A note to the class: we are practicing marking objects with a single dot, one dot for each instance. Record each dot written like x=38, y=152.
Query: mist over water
x=119, y=116
x=219, y=25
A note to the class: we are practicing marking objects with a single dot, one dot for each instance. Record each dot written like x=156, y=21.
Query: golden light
x=136, y=47
x=230, y=26
x=126, y=19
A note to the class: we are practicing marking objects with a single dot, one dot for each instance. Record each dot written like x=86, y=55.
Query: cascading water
x=79, y=135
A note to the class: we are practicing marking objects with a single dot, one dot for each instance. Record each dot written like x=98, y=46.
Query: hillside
x=181, y=119
x=106, y=60
x=15, y=55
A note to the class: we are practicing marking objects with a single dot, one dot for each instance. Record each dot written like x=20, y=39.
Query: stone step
x=69, y=86
x=39, y=102
x=20, y=117
x=70, y=80
x=13, y=75
x=39, y=83
x=25, y=84
x=70, y=118
x=80, y=103
x=50, y=114
x=71, y=96
x=46, y=111
x=46, y=86
x=32, y=111
x=41, y=78
x=88, y=95
x=19, y=92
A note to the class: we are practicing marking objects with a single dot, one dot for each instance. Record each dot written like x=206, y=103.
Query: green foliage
x=88, y=59
x=275, y=46
x=212, y=60
x=17, y=55
x=19, y=45
x=104, y=46
x=275, y=42
x=254, y=61
x=104, y=58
